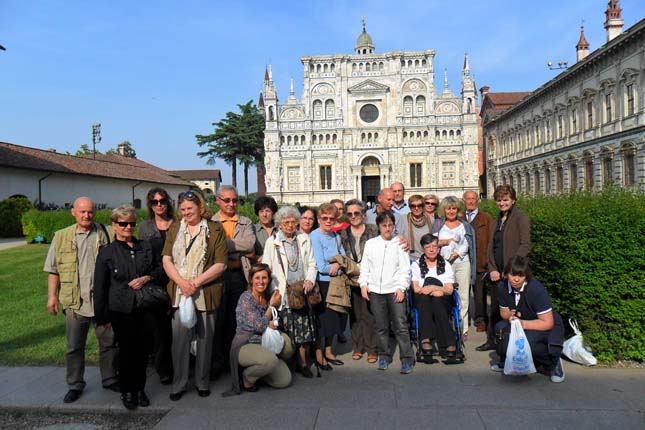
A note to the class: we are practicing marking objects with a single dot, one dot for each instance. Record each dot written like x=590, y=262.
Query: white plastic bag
x=186, y=311
x=575, y=349
x=519, y=360
x=271, y=338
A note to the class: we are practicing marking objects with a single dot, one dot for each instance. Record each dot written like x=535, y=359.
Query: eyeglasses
x=431, y=246
x=187, y=195
x=354, y=214
x=229, y=200
x=288, y=223
x=124, y=224
x=431, y=203
x=327, y=218
x=416, y=206
x=160, y=202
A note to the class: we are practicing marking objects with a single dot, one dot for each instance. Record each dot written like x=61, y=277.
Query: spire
x=261, y=101
x=266, y=73
x=614, y=20
x=291, y=87
x=270, y=72
x=466, y=64
x=582, y=42
x=364, y=43
x=445, y=80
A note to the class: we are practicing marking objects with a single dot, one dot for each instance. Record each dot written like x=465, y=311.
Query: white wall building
x=583, y=129
x=366, y=120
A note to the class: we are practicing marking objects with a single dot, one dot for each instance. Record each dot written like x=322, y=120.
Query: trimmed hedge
x=11, y=211
x=589, y=251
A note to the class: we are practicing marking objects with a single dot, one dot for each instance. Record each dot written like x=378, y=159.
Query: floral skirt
x=301, y=328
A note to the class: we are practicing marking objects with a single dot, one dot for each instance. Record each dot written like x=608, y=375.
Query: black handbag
x=151, y=296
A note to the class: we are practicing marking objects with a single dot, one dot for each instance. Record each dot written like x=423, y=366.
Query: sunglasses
x=431, y=204
x=228, y=200
x=124, y=224
x=416, y=206
x=354, y=214
x=187, y=195
x=327, y=218
x=160, y=202
x=288, y=223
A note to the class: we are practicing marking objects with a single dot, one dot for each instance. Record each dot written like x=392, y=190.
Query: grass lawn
x=28, y=333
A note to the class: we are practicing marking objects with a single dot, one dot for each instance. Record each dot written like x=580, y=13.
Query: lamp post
x=96, y=137
x=561, y=65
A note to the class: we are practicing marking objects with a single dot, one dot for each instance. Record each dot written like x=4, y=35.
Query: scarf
x=191, y=265
x=412, y=222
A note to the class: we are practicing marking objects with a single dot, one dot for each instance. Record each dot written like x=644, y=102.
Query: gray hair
x=286, y=212
x=451, y=201
x=226, y=188
x=123, y=211
x=356, y=202
x=470, y=191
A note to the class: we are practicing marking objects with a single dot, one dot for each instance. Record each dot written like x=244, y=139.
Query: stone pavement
x=357, y=396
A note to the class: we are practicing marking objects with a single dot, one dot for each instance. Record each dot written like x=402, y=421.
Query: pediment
x=292, y=113
x=369, y=86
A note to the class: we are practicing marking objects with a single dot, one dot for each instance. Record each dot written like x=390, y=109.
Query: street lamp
x=561, y=65
x=96, y=137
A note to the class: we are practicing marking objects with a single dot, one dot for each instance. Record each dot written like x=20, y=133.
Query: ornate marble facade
x=366, y=120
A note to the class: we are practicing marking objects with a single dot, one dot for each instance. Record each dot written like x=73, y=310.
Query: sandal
x=426, y=347
x=357, y=355
x=372, y=358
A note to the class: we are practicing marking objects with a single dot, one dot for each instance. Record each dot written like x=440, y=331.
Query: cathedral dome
x=364, y=43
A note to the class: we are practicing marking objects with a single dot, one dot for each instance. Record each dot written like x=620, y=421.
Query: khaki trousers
x=260, y=363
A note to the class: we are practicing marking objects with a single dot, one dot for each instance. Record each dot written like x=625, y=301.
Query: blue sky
x=157, y=73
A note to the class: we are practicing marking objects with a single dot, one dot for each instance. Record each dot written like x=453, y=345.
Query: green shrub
x=588, y=250
x=245, y=209
x=11, y=211
x=46, y=223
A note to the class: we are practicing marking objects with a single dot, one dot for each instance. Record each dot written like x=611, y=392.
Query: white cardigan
x=385, y=267
x=278, y=276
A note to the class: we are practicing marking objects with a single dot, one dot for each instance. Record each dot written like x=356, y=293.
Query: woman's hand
x=275, y=299
x=494, y=276
x=333, y=269
x=308, y=286
x=187, y=287
x=453, y=257
x=365, y=292
x=139, y=282
x=437, y=293
x=399, y=296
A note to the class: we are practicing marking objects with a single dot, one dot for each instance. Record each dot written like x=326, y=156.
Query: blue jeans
x=386, y=310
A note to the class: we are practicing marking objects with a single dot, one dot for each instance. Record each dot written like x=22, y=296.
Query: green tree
x=238, y=137
x=85, y=150
x=128, y=150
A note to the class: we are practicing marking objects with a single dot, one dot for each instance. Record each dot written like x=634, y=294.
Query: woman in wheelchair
x=432, y=282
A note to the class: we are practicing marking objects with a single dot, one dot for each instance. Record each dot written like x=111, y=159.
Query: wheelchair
x=455, y=324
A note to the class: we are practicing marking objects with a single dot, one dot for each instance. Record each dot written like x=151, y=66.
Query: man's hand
x=365, y=292
x=403, y=243
x=52, y=305
x=137, y=283
x=494, y=276
x=399, y=296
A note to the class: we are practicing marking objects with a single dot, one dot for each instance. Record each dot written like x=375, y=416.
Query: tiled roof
x=506, y=99
x=108, y=166
x=198, y=174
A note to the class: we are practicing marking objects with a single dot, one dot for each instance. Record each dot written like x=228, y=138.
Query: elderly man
x=70, y=264
x=240, y=240
x=400, y=206
x=385, y=201
x=481, y=223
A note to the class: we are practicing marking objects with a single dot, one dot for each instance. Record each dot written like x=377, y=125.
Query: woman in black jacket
x=123, y=268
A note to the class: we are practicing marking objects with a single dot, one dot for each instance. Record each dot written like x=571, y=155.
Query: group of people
x=302, y=273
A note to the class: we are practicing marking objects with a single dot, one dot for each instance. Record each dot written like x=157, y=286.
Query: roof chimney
x=484, y=90
x=614, y=20
x=582, y=48
x=121, y=148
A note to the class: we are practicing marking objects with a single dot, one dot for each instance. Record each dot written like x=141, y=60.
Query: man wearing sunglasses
x=240, y=240
x=70, y=264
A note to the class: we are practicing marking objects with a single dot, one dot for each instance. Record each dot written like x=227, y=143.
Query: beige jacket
x=243, y=241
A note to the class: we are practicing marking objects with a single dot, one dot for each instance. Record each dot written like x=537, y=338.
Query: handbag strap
x=277, y=249
x=352, y=244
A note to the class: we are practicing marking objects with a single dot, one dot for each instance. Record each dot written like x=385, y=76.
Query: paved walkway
x=357, y=396
x=11, y=242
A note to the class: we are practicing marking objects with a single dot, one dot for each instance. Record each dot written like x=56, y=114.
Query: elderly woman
x=430, y=204
x=326, y=245
x=194, y=258
x=432, y=282
x=254, y=317
x=289, y=256
x=457, y=241
x=418, y=225
x=308, y=219
x=524, y=298
x=265, y=208
x=122, y=269
x=154, y=230
x=510, y=236
x=384, y=280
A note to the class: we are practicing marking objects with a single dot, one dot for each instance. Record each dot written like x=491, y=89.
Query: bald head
x=386, y=199
x=471, y=200
x=83, y=212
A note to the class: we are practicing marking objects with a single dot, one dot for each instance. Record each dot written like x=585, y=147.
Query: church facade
x=367, y=120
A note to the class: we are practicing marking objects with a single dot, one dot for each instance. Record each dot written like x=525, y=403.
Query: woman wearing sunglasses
x=161, y=215
x=122, y=268
x=194, y=258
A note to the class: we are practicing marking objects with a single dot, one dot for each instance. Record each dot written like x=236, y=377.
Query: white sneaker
x=496, y=367
x=557, y=374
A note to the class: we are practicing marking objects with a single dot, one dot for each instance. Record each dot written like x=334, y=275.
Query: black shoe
x=176, y=396
x=306, y=372
x=324, y=366
x=203, y=393
x=335, y=361
x=451, y=353
x=130, y=400
x=72, y=396
x=144, y=401
x=114, y=387
x=488, y=346
x=165, y=380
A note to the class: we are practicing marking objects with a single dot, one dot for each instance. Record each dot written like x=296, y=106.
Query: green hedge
x=11, y=211
x=589, y=251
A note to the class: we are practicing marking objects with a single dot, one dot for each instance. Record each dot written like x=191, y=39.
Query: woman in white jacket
x=290, y=257
x=384, y=279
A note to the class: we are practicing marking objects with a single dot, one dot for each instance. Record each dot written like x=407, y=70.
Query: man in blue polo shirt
x=524, y=298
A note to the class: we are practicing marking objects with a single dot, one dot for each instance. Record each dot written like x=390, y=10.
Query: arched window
x=330, y=109
x=452, y=134
x=282, y=140
x=318, y=67
x=295, y=140
x=333, y=68
x=354, y=67
x=302, y=139
x=313, y=139
x=418, y=135
x=444, y=134
x=375, y=137
x=425, y=134
x=326, y=68
x=421, y=105
x=368, y=67
x=318, y=109
x=369, y=137
x=327, y=139
x=407, y=105
x=362, y=137
x=424, y=63
x=288, y=140
x=458, y=133
x=437, y=134
x=381, y=66
x=405, y=135
x=416, y=63
x=271, y=115
x=333, y=139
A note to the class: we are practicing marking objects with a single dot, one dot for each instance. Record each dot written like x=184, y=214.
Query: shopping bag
x=575, y=349
x=519, y=360
x=271, y=338
x=186, y=311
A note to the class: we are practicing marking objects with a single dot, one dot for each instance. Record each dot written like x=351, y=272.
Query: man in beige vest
x=70, y=264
